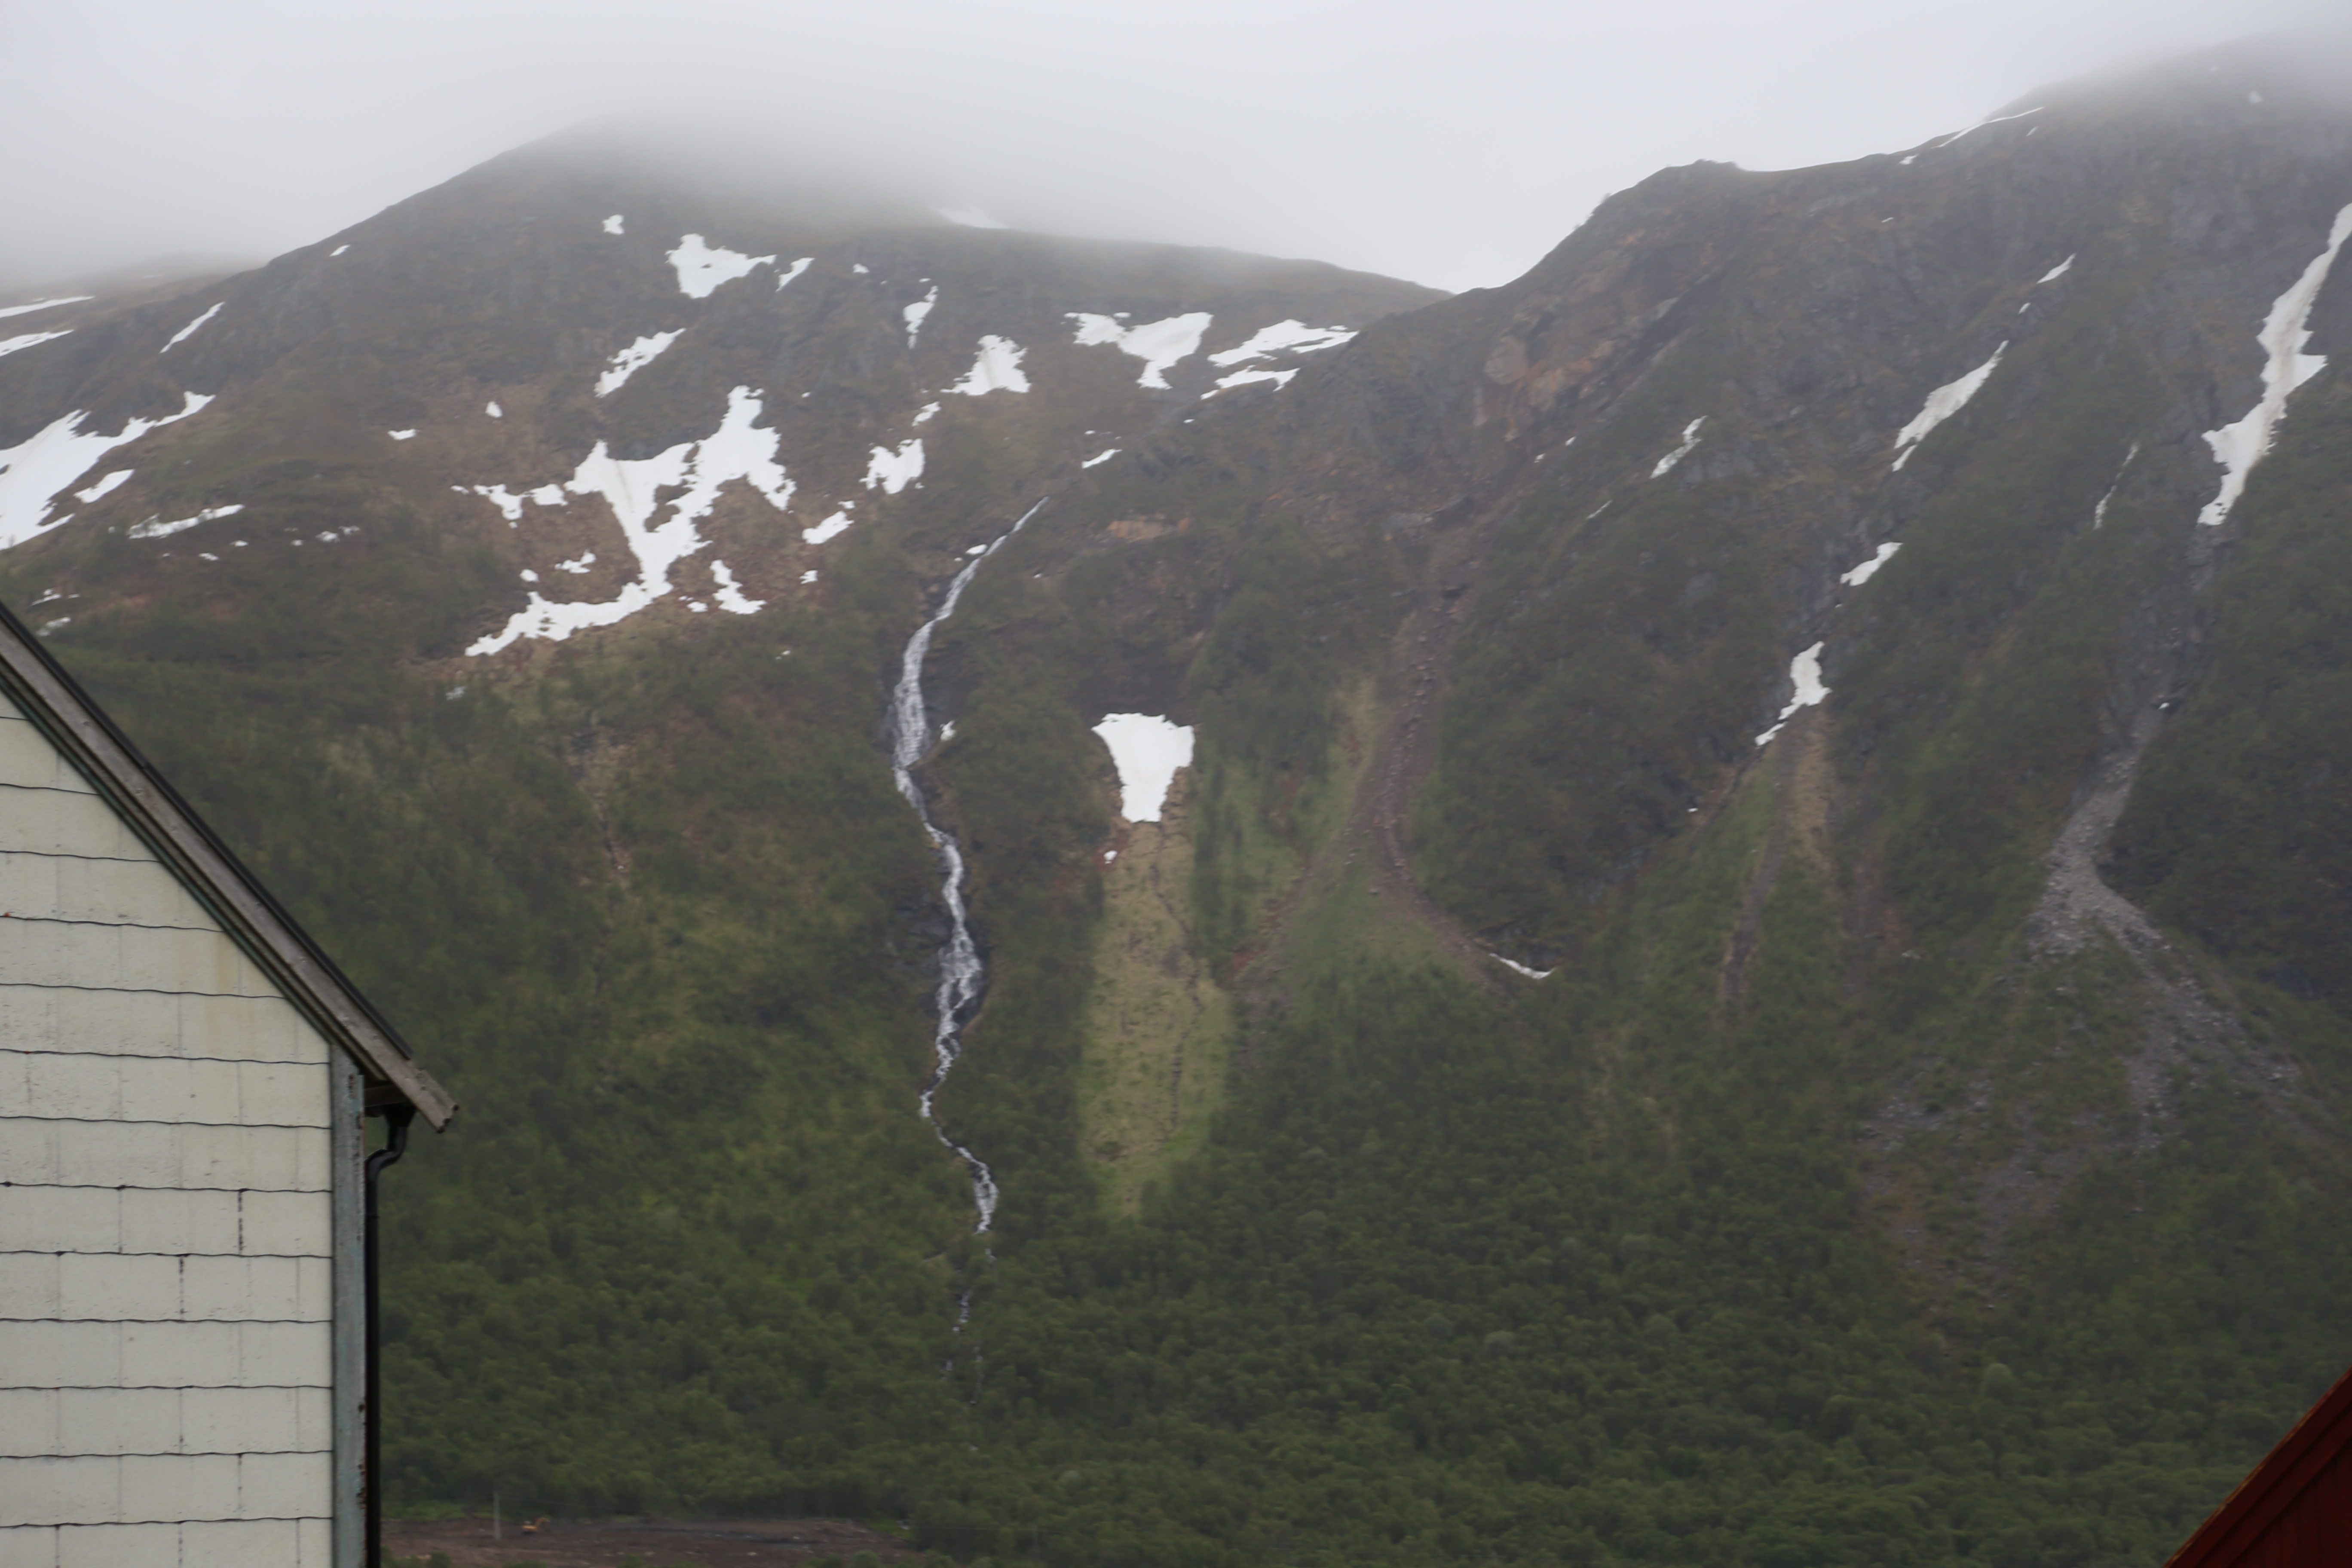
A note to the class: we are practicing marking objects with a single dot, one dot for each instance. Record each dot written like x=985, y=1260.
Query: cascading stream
x=960, y=971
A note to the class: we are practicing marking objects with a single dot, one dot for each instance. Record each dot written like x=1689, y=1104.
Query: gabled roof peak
x=145, y=800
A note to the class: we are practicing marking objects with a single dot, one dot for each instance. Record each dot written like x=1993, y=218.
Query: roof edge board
x=2258, y=1501
x=139, y=791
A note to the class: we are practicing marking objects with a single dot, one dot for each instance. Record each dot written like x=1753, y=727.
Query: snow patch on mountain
x=44, y=305
x=185, y=333
x=614, y=224
x=1690, y=439
x=2055, y=273
x=1942, y=403
x=33, y=470
x=1805, y=674
x=105, y=487
x=784, y=278
x=1145, y=750
x=729, y=596
x=737, y=450
x=1283, y=337
x=1157, y=344
x=1981, y=124
x=2099, y=513
x=1243, y=377
x=632, y=359
x=702, y=268
x=509, y=505
x=152, y=529
x=1869, y=569
x=833, y=527
x=915, y=313
x=2285, y=332
x=997, y=369
x=29, y=339
x=1104, y=456
x=894, y=471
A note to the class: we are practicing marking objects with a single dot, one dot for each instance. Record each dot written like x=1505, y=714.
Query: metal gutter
x=395, y=1120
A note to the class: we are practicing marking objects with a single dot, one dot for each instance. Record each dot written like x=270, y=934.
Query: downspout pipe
x=396, y=1118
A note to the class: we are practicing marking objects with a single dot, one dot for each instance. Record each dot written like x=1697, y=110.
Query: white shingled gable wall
x=173, y=1389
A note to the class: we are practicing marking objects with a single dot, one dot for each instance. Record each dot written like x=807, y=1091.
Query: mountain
x=1746, y=964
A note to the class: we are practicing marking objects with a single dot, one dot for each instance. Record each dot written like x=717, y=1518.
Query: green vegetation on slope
x=649, y=921
x=2240, y=828
x=1580, y=1278
x=1588, y=1273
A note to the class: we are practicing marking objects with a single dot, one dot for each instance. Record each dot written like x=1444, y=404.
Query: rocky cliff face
x=1897, y=489
x=1753, y=926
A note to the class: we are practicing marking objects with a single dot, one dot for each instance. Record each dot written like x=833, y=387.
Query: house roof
x=75, y=724
x=2295, y=1507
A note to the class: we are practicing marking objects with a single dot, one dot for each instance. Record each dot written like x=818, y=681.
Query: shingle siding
x=281, y=1543
x=167, y=1223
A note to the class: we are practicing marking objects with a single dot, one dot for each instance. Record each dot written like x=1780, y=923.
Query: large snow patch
x=1157, y=344
x=702, y=268
x=30, y=340
x=1942, y=403
x=632, y=359
x=1869, y=569
x=38, y=467
x=185, y=333
x=997, y=369
x=915, y=313
x=1147, y=751
x=894, y=471
x=1805, y=674
x=736, y=450
x=44, y=304
x=1690, y=439
x=2239, y=447
x=1283, y=337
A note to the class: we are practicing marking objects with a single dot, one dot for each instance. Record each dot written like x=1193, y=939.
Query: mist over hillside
x=1739, y=959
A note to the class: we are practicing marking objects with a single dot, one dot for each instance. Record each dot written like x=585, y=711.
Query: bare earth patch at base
x=658, y=1543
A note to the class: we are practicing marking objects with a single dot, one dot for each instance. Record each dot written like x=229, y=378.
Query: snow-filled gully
x=2285, y=332
x=962, y=973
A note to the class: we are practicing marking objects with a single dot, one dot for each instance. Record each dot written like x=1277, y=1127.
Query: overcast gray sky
x=1449, y=143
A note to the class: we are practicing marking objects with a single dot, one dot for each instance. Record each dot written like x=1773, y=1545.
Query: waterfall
x=960, y=971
